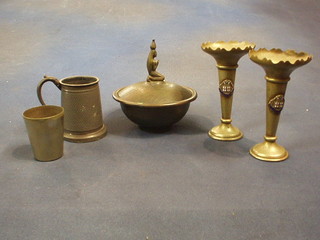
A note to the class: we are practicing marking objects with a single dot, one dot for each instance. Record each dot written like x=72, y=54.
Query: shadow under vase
x=232, y=149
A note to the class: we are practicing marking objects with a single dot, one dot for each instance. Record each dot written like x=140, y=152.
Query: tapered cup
x=45, y=130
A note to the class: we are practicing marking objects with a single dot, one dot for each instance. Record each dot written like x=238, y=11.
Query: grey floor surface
x=177, y=185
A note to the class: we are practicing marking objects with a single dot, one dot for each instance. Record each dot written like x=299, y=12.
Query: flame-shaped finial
x=153, y=45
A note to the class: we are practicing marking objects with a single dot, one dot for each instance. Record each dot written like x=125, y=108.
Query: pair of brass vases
x=278, y=66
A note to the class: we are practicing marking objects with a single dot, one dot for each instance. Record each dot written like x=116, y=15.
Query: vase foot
x=269, y=151
x=225, y=132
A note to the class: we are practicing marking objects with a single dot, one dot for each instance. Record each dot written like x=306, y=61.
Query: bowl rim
x=193, y=97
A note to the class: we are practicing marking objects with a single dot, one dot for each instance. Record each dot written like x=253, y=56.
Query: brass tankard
x=80, y=98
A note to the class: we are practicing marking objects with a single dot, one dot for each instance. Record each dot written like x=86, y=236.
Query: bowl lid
x=153, y=94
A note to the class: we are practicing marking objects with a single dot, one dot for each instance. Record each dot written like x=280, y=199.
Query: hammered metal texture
x=82, y=107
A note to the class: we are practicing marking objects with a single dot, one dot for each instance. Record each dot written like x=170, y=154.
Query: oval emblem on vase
x=226, y=87
x=276, y=104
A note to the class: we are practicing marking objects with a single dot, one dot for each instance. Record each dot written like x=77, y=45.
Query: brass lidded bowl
x=154, y=103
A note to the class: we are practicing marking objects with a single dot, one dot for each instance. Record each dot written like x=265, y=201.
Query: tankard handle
x=46, y=79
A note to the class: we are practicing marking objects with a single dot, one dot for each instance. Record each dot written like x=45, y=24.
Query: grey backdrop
x=178, y=185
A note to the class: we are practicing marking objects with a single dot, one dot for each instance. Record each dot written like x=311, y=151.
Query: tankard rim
x=79, y=80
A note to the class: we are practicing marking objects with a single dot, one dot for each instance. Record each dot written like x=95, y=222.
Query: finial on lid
x=152, y=64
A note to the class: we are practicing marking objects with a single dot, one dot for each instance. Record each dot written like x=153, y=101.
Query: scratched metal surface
x=175, y=185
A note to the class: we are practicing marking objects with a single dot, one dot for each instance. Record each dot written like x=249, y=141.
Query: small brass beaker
x=278, y=66
x=45, y=130
x=80, y=98
x=227, y=55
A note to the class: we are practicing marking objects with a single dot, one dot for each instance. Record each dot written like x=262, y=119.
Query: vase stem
x=226, y=88
x=274, y=104
x=269, y=150
x=226, y=131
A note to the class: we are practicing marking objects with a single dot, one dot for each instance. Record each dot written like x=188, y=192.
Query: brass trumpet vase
x=227, y=55
x=155, y=104
x=278, y=65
